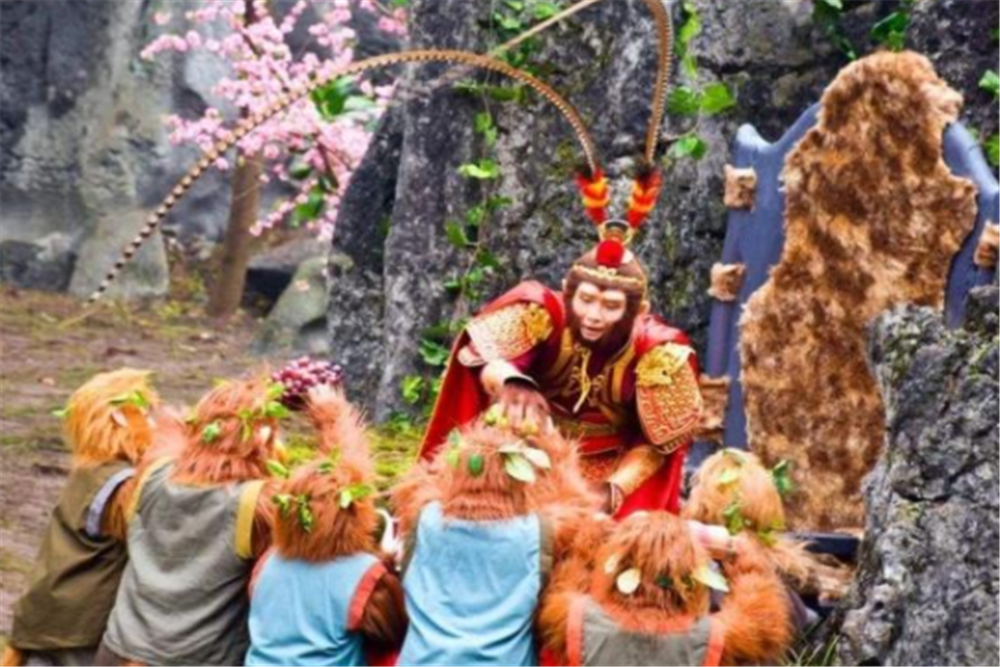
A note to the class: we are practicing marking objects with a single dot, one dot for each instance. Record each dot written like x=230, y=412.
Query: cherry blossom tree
x=313, y=147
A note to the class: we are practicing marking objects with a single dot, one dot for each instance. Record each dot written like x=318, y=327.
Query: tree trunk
x=226, y=293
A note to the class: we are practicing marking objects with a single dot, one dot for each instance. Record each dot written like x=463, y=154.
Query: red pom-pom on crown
x=610, y=253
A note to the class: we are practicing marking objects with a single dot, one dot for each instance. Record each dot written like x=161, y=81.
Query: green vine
x=477, y=266
x=990, y=82
x=690, y=101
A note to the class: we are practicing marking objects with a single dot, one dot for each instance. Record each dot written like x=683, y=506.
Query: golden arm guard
x=505, y=334
x=639, y=464
x=668, y=399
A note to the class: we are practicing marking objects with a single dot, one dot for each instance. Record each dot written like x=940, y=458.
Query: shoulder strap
x=249, y=494
x=362, y=594
x=716, y=642
x=133, y=505
x=95, y=512
x=574, y=630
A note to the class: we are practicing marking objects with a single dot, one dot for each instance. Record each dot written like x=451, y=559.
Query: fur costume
x=852, y=251
x=646, y=601
x=481, y=529
x=209, y=501
x=323, y=591
x=109, y=428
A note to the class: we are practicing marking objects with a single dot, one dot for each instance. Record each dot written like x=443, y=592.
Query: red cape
x=462, y=399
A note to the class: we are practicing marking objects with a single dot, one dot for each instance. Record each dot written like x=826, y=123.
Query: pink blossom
x=161, y=18
x=263, y=68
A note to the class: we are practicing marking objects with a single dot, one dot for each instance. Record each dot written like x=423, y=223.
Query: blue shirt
x=299, y=612
x=471, y=590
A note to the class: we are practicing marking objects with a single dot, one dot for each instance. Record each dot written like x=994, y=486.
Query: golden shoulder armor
x=667, y=395
x=509, y=332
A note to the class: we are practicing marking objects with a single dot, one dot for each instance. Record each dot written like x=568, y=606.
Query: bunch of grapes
x=301, y=375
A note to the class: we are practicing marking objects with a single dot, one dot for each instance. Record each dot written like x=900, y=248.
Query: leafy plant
x=891, y=31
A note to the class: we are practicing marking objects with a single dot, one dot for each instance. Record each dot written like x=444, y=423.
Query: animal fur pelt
x=873, y=218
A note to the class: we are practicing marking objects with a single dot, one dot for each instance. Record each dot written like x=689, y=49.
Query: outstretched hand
x=325, y=403
x=524, y=407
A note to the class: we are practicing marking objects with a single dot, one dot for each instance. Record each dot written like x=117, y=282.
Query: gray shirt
x=183, y=597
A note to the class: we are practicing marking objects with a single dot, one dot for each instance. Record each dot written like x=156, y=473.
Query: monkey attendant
x=110, y=424
x=324, y=594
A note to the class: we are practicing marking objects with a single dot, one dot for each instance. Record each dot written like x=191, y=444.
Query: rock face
x=926, y=589
x=297, y=323
x=84, y=154
x=82, y=140
x=773, y=54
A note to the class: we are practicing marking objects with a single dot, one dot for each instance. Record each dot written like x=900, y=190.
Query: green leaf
x=706, y=576
x=412, y=388
x=61, y=413
x=690, y=145
x=310, y=210
x=331, y=99
x=359, y=103
x=476, y=464
x=475, y=216
x=716, y=98
x=135, y=398
x=834, y=4
x=283, y=501
x=735, y=523
x=497, y=202
x=545, y=10
x=485, y=169
x=277, y=469
x=782, y=478
x=276, y=410
x=354, y=492
x=487, y=259
x=729, y=476
x=484, y=126
x=299, y=170
x=690, y=26
x=493, y=415
x=275, y=390
x=306, y=517
x=891, y=30
x=990, y=82
x=211, y=432
x=455, y=234
x=518, y=467
x=993, y=149
x=433, y=354
x=683, y=101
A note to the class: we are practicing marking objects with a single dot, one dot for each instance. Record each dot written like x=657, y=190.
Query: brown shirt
x=75, y=578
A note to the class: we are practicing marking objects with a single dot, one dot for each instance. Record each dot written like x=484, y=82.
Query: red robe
x=462, y=397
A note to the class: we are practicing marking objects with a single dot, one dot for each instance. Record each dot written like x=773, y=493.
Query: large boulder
x=927, y=583
x=297, y=323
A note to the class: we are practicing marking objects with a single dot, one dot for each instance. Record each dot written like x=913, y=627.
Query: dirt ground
x=47, y=351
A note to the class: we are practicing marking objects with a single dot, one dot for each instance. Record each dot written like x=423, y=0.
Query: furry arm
x=384, y=621
x=754, y=615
